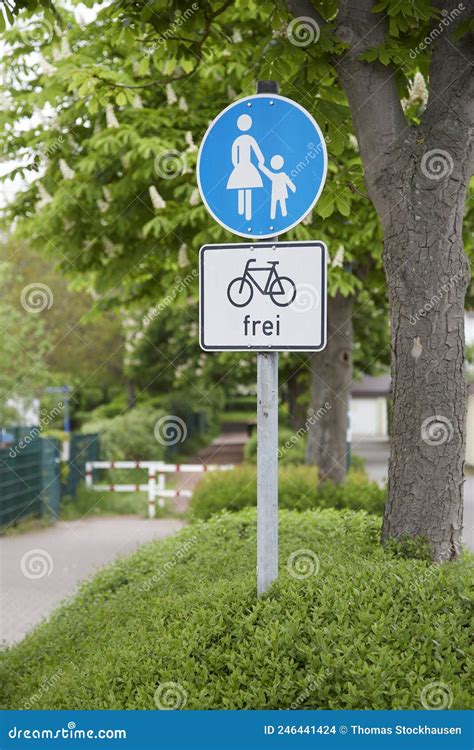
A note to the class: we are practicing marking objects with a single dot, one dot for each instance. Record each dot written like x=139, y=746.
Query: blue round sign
x=261, y=166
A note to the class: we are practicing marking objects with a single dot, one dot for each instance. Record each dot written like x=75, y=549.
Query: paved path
x=61, y=557
x=228, y=448
x=376, y=455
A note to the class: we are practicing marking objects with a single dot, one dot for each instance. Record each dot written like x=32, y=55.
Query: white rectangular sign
x=264, y=295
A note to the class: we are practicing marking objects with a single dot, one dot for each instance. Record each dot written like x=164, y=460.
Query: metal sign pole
x=267, y=450
x=262, y=136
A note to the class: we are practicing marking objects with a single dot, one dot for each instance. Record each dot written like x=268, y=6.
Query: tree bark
x=426, y=291
x=331, y=378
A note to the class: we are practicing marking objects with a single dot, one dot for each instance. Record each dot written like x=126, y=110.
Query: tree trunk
x=131, y=394
x=331, y=378
x=427, y=274
x=295, y=389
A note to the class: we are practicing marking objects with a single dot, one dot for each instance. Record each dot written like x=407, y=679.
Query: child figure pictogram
x=280, y=184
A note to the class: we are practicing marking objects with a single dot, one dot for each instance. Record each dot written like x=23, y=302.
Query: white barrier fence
x=156, y=485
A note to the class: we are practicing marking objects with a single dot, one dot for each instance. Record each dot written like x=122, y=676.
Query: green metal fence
x=29, y=477
x=50, y=476
x=83, y=448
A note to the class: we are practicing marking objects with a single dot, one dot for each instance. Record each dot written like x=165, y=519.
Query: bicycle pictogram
x=280, y=289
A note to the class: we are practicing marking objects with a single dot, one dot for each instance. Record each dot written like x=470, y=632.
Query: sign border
x=321, y=187
x=258, y=245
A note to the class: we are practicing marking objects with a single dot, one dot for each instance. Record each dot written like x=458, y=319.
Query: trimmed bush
x=129, y=436
x=363, y=629
x=298, y=489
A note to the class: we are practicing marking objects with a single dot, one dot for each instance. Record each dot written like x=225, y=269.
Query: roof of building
x=370, y=386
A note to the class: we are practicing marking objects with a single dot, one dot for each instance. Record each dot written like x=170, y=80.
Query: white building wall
x=369, y=418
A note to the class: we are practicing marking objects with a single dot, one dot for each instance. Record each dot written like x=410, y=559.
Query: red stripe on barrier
x=112, y=488
x=137, y=488
x=205, y=467
x=111, y=464
x=137, y=464
x=178, y=467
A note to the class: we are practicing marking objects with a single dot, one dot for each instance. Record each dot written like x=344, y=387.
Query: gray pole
x=267, y=450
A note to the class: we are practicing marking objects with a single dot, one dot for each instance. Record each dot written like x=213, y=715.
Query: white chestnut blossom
x=183, y=255
x=195, y=198
x=66, y=170
x=110, y=118
x=156, y=199
x=170, y=94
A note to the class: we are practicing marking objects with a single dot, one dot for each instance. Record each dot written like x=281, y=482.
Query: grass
x=245, y=417
x=27, y=526
x=97, y=503
x=347, y=625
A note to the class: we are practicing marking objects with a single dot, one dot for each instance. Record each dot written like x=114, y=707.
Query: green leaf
x=325, y=205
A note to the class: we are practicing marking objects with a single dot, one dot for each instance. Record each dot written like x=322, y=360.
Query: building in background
x=369, y=408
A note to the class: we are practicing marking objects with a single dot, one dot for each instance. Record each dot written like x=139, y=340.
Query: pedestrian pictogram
x=261, y=166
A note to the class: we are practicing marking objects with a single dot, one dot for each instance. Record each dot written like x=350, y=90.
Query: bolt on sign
x=263, y=296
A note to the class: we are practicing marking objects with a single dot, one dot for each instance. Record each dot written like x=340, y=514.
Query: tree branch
x=299, y=8
x=370, y=87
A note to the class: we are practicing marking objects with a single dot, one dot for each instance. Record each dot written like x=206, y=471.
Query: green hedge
x=364, y=630
x=128, y=436
x=298, y=488
x=131, y=435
